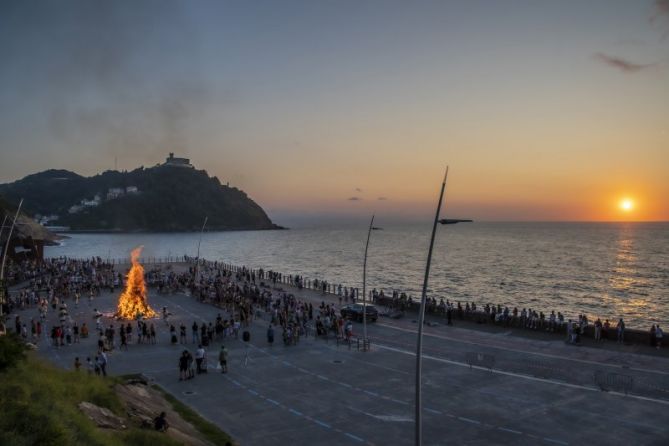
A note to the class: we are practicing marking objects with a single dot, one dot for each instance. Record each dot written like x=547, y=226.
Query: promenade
x=479, y=386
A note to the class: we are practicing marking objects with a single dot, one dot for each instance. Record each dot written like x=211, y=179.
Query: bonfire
x=132, y=303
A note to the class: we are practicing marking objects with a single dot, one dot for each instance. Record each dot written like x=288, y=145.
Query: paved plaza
x=479, y=387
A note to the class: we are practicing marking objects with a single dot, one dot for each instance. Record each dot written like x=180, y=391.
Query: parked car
x=354, y=311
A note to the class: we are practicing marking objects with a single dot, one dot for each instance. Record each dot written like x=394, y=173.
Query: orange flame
x=132, y=302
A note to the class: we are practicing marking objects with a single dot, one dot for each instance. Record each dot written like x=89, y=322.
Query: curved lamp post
x=421, y=318
x=364, y=288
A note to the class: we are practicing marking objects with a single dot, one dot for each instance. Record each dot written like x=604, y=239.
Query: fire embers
x=132, y=302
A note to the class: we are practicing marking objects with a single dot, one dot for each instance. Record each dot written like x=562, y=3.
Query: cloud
x=382, y=198
x=355, y=199
x=661, y=12
x=102, y=78
x=622, y=64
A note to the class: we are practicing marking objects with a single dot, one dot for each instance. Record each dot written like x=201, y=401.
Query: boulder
x=102, y=417
x=144, y=403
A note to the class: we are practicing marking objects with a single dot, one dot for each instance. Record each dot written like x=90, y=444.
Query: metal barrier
x=614, y=381
x=484, y=360
x=360, y=343
x=545, y=369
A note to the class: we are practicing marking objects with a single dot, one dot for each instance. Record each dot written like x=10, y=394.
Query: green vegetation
x=11, y=351
x=209, y=431
x=40, y=406
x=169, y=199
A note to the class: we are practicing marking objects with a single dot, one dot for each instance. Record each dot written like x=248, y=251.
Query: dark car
x=354, y=311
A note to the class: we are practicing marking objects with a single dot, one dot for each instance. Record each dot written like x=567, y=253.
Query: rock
x=102, y=417
x=144, y=403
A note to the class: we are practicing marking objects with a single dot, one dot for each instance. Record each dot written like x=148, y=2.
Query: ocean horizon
x=607, y=270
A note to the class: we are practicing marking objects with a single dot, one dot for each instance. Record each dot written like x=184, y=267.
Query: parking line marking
x=469, y=420
x=520, y=375
x=509, y=430
x=354, y=437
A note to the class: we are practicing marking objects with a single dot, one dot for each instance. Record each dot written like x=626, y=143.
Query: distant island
x=172, y=196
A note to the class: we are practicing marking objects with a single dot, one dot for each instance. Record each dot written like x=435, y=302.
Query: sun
x=626, y=205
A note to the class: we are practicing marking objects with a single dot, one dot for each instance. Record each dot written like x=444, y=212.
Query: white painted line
x=269, y=400
x=510, y=430
x=551, y=440
x=325, y=425
x=399, y=401
x=371, y=393
x=354, y=437
x=545, y=355
x=253, y=392
x=432, y=410
x=518, y=375
x=299, y=414
x=469, y=420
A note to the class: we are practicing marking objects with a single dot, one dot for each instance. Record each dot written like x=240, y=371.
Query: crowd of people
x=243, y=295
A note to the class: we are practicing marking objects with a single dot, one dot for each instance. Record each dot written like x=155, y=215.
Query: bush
x=12, y=350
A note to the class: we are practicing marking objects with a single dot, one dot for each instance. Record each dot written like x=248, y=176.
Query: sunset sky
x=544, y=110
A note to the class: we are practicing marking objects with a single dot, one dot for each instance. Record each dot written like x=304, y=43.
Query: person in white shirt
x=200, y=355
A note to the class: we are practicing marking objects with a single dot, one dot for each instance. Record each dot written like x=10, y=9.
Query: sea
x=606, y=270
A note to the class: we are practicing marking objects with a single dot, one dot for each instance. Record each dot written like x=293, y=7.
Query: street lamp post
x=364, y=288
x=199, y=242
x=4, y=257
x=421, y=318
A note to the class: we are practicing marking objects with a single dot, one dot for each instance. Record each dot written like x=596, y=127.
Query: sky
x=335, y=110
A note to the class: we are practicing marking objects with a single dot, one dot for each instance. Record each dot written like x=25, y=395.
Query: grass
x=208, y=430
x=39, y=406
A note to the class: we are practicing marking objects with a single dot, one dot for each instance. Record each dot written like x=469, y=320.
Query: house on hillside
x=115, y=192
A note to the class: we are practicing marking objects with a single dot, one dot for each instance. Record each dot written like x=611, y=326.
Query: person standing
x=652, y=336
x=270, y=335
x=223, y=359
x=658, y=337
x=102, y=357
x=124, y=339
x=182, y=334
x=598, y=329
x=183, y=366
x=199, y=358
x=621, y=331
x=195, y=331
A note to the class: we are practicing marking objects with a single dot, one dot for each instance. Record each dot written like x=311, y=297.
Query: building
x=173, y=161
x=115, y=192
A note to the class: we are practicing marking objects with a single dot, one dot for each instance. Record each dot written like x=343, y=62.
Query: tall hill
x=161, y=198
